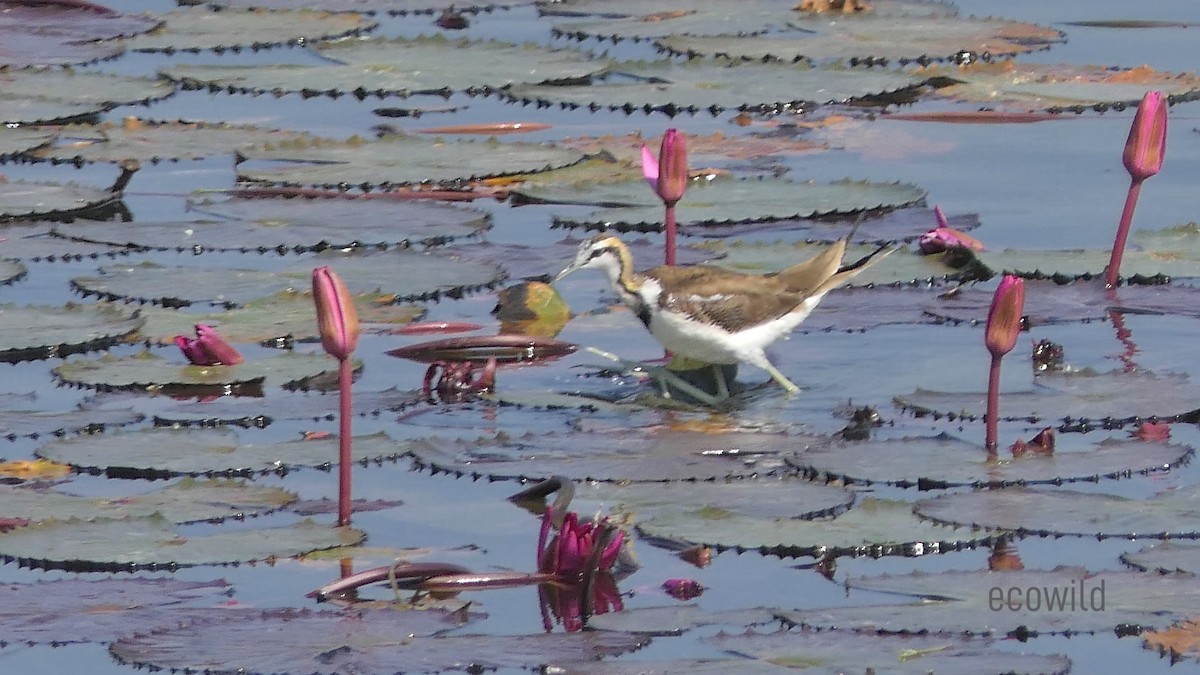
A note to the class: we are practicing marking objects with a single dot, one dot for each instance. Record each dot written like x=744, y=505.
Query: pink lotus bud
x=944, y=237
x=1147, y=143
x=668, y=174
x=1004, y=318
x=336, y=317
x=208, y=348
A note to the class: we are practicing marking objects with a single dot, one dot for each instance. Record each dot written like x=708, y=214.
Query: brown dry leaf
x=1180, y=639
x=1141, y=74
x=34, y=469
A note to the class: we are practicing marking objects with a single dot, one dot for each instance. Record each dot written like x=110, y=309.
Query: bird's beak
x=570, y=268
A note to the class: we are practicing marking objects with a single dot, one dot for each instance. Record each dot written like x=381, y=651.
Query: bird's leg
x=778, y=377
x=722, y=385
x=665, y=377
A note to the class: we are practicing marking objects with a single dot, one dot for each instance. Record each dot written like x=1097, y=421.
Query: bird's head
x=604, y=252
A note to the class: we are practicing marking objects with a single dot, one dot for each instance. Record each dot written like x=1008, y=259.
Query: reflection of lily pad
x=1063, y=512
x=147, y=371
x=199, y=28
x=872, y=527
x=397, y=161
x=943, y=461
x=162, y=453
x=34, y=332
x=129, y=544
x=364, y=642
x=188, y=501
x=962, y=603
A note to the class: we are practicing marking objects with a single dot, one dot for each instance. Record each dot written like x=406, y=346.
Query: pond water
x=1052, y=185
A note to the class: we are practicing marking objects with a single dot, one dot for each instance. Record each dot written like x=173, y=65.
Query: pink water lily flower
x=944, y=237
x=667, y=174
x=568, y=552
x=1146, y=146
x=1004, y=317
x=208, y=348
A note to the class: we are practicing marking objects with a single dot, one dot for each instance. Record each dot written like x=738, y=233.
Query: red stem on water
x=993, y=406
x=345, y=377
x=1114, y=262
x=670, y=228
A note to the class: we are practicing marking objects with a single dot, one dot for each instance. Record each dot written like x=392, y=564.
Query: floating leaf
x=195, y=29
x=1048, y=302
x=1151, y=259
x=74, y=610
x=49, y=201
x=899, y=269
x=898, y=225
x=1165, y=558
x=480, y=348
x=152, y=141
x=14, y=141
x=944, y=461
x=256, y=412
x=1172, y=515
x=966, y=603
x=676, y=619
x=34, y=242
x=147, y=371
x=1182, y=641
x=1031, y=86
x=873, y=527
x=88, y=90
x=691, y=86
x=37, y=469
x=188, y=501
x=402, y=274
x=53, y=34
x=129, y=544
x=10, y=271
x=34, y=332
x=846, y=652
x=397, y=161
x=390, y=7
x=383, y=641
x=33, y=423
x=162, y=453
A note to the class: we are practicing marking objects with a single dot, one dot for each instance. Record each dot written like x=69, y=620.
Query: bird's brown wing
x=734, y=304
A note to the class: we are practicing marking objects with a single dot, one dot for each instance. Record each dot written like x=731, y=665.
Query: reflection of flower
x=564, y=604
x=569, y=552
x=208, y=348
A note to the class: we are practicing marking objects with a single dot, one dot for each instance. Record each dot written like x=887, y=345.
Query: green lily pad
x=1057, y=88
x=295, y=225
x=691, y=86
x=163, y=453
x=873, y=527
x=152, y=141
x=56, y=34
x=147, y=371
x=383, y=641
x=152, y=542
x=1171, y=515
x=98, y=91
x=16, y=424
x=1080, y=263
x=262, y=412
x=398, y=161
x=188, y=501
x=675, y=619
x=724, y=202
x=49, y=201
x=35, y=332
x=965, y=603
x=18, y=140
x=34, y=242
x=196, y=29
x=873, y=36
x=901, y=268
x=10, y=271
x=944, y=461
x=390, y=7
x=401, y=274
x=1165, y=558
x=846, y=652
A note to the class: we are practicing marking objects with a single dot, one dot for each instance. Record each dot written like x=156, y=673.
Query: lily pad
x=34, y=332
x=899, y=269
x=1057, y=88
x=18, y=140
x=891, y=225
x=74, y=610
x=151, y=542
x=390, y=7
x=371, y=643
x=724, y=202
x=965, y=603
x=257, y=413
x=188, y=501
x=34, y=242
x=399, y=161
x=675, y=87
x=49, y=201
x=944, y=461
x=676, y=619
x=10, y=271
x=1172, y=515
x=16, y=424
x=96, y=91
x=873, y=527
x=55, y=34
x=163, y=453
x=1078, y=400
x=621, y=457
x=1165, y=558
x=194, y=29
x=403, y=275
x=152, y=141
x=845, y=652
x=147, y=371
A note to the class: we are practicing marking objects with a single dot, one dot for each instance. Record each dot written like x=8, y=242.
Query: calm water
x=1048, y=185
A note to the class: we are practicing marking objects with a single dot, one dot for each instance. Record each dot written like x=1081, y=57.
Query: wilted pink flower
x=1042, y=444
x=1146, y=146
x=683, y=589
x=667, y=174
x=1004, y=318
x=208, y=348
x=567, y=553
x=945, y=237
x=337, y=319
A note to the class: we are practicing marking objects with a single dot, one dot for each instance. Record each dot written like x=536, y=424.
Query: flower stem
x=1114, y=262
x=345, y=378
x=993, y=405
x=670, y=228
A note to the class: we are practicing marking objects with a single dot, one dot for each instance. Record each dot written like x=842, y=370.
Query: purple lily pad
x=367, y=643
x=51, y=34
x=74, y=610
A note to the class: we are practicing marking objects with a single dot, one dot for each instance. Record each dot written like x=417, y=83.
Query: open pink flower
x=944, y=237
x=568, y=552
x=208, y=348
